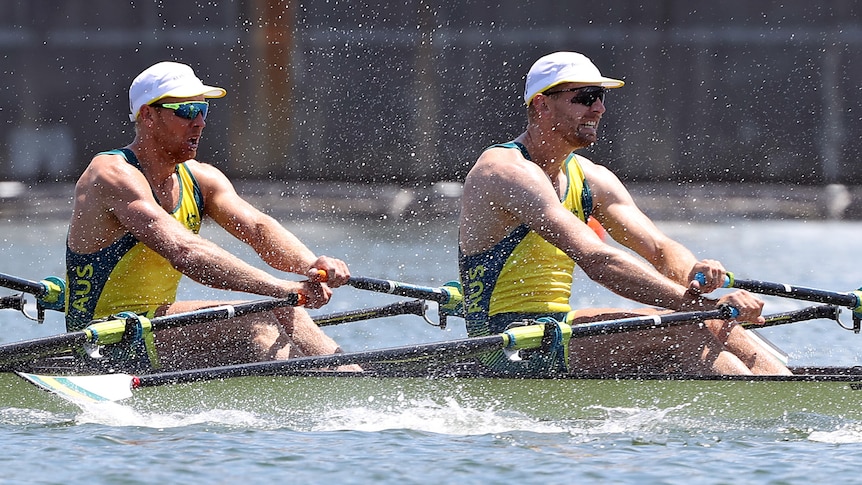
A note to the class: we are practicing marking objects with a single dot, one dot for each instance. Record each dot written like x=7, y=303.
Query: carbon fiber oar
x=413, y=307
x=448, y=296
x=849, y=299
x=50, y=293
x=111, y=387
x=112, y=331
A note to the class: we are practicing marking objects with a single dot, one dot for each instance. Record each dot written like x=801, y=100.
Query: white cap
x=167, y=80
x=564, y=67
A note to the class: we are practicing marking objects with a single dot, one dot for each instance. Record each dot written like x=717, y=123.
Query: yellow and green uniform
x=128, y=275
x=523, y=277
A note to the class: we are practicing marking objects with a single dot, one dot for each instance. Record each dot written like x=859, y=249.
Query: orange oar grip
x=323, y=275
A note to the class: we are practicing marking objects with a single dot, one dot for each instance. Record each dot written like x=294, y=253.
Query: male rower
x=523, y=227
x=134, y=232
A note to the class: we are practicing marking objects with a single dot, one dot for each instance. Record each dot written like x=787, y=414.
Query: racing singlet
x=522, y=275
x=127, y=275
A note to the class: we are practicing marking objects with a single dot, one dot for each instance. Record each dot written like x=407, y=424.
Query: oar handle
x=852, y=300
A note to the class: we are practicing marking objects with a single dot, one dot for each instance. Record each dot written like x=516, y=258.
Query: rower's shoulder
x=503, y=163
x=109, y=169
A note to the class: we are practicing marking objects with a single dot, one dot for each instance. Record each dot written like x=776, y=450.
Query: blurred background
x=408, y=93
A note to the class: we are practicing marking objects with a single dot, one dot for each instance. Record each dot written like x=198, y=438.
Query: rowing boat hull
x=828, y=394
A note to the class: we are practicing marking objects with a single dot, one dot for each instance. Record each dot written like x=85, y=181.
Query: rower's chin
x=585, y=139
x=589, y=131
x=190, y=150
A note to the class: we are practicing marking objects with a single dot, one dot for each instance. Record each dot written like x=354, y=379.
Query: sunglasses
x=187, y=109
x=585, y=96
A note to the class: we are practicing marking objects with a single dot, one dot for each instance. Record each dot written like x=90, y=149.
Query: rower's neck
x=156, y=165
x=548, y=153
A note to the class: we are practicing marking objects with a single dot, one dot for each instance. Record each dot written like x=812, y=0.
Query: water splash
x=623, y=420
x=447, y=417
x=848, y=433
x=27, y=417
x=119, y=415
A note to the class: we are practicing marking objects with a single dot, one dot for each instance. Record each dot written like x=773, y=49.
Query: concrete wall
x=411, y=92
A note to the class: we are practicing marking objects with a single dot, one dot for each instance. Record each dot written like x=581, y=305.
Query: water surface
x=448, y=439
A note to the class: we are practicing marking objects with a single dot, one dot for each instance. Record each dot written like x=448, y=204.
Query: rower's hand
x=316, y=294
x=328, y=270
x=750, y=307
x=713, y=273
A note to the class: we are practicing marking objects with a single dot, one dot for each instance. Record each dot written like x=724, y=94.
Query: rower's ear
x=538, y=106
x=147, y=113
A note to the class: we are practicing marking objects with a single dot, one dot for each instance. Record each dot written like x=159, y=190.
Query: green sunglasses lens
x=188, y=109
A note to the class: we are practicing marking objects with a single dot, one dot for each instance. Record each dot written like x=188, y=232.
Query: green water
x=447, y=437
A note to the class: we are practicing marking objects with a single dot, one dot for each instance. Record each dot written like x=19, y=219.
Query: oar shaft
x=524, y=337
x=671, y=319
x=50, y=293
x=847, y=299
x=401, y=289
x=798, y=292
x=34, y=288
x=647, y=322
x=30, y=349
x=111, y=331
x=439, y=351
x=15, y=302
x=413, y=307
x=225, y=311
x=830, y=312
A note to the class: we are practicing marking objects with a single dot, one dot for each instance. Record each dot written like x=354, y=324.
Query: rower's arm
x=124, y=197
x=276, y=245
x=525, y=193
x=615, y=208
x=280, y=248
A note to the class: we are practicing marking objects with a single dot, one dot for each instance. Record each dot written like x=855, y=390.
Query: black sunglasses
x=585, y=96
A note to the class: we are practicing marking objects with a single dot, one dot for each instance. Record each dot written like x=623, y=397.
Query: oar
x=15, y=302
x=50, y=293
x=413, y=307
x=850, y=299
x=112, y=331
x=448, y=296
x=630, y=324
x=49, y=288
x=111, y=387
x=815, y=312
